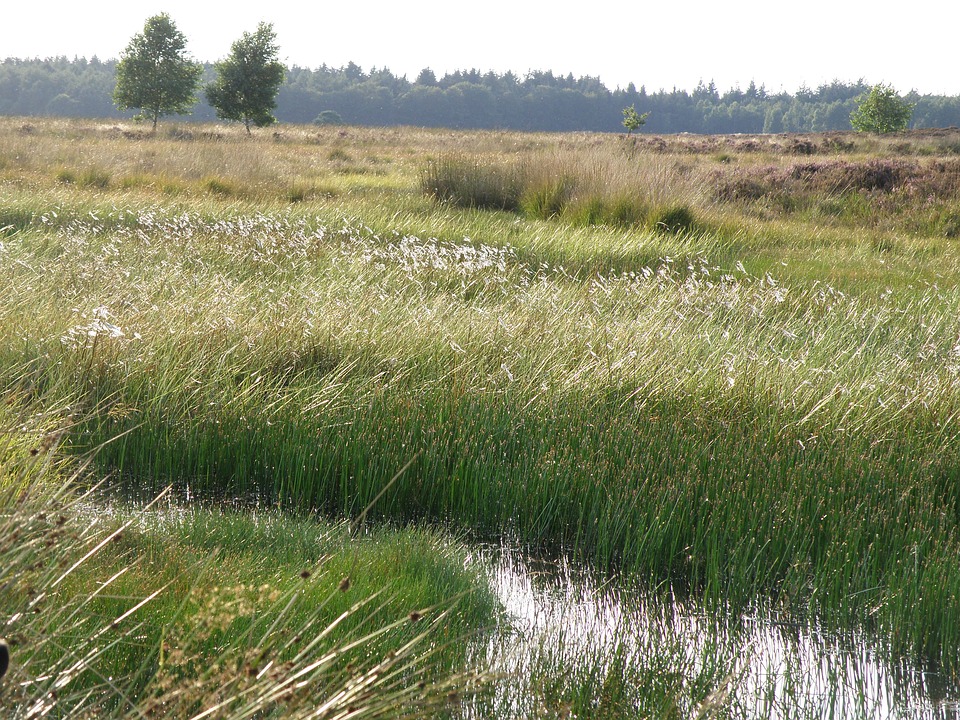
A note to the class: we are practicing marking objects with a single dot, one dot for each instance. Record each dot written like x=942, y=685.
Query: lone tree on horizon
x=154, y=74
x=632, y=120
x=248, y=80
x=881, y=110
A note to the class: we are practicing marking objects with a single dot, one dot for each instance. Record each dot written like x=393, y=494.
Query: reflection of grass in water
x=574, y=650
x=580, y=648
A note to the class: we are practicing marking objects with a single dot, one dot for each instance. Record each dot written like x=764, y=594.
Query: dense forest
x=538, y=100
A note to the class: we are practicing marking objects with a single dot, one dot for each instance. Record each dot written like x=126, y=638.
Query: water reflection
x=571, y=635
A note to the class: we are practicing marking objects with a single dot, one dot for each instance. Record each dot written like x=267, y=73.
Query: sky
x=664, y=45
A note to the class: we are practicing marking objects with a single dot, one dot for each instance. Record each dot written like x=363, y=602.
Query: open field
x=726, y=368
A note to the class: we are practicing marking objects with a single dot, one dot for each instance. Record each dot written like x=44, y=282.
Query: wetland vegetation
x=717, y=375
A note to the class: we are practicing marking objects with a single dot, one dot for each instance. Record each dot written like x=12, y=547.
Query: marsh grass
x=762, y=407
x=265, y=381
x=466, y=183
x=114, y=612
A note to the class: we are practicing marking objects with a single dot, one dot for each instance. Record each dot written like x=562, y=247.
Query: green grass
x=244, y=368
x=117, y=611
x=747, y=399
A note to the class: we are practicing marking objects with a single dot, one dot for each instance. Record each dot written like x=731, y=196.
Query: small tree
x=881, y=110
x=154, y=74
x=248, y=80
x=632, y=120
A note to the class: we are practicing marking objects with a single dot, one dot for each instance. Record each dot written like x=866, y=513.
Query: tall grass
x=609, y=406
x=190, y=613
x=763, y=412
x=583, y=188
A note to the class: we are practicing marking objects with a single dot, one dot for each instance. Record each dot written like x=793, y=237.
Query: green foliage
x=540, y=101
x=215, y=611
x=248, y=80
x=881, y=110
x=628, y=210
x=154, y=74
x=339, y=155
x=632, y=120
x=219, y=186
x=94, y=178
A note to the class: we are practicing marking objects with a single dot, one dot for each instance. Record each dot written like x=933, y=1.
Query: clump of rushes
x=547, y=198
x=673, y=219
x=463, y=182
x=219, y=186
x=86, y=638
x=94, y=178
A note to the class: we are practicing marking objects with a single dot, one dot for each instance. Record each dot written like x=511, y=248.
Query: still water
x=670, y=655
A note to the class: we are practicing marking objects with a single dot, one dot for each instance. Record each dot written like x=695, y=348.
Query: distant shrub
x=881, y=110
x=742, y=185
x=328, y=117
x=837, y=144
x=806, y=178
x=883, y=175
x=802, y=147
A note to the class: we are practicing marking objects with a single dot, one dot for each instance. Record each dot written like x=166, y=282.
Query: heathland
x=724, y=369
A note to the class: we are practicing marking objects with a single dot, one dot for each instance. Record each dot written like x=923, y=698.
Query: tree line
x=538, y=100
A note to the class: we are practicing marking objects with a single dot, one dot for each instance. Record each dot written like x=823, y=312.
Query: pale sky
x=673, y=43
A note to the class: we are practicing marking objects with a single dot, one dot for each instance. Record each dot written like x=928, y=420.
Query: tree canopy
x=154, y=74
x=248, y=80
